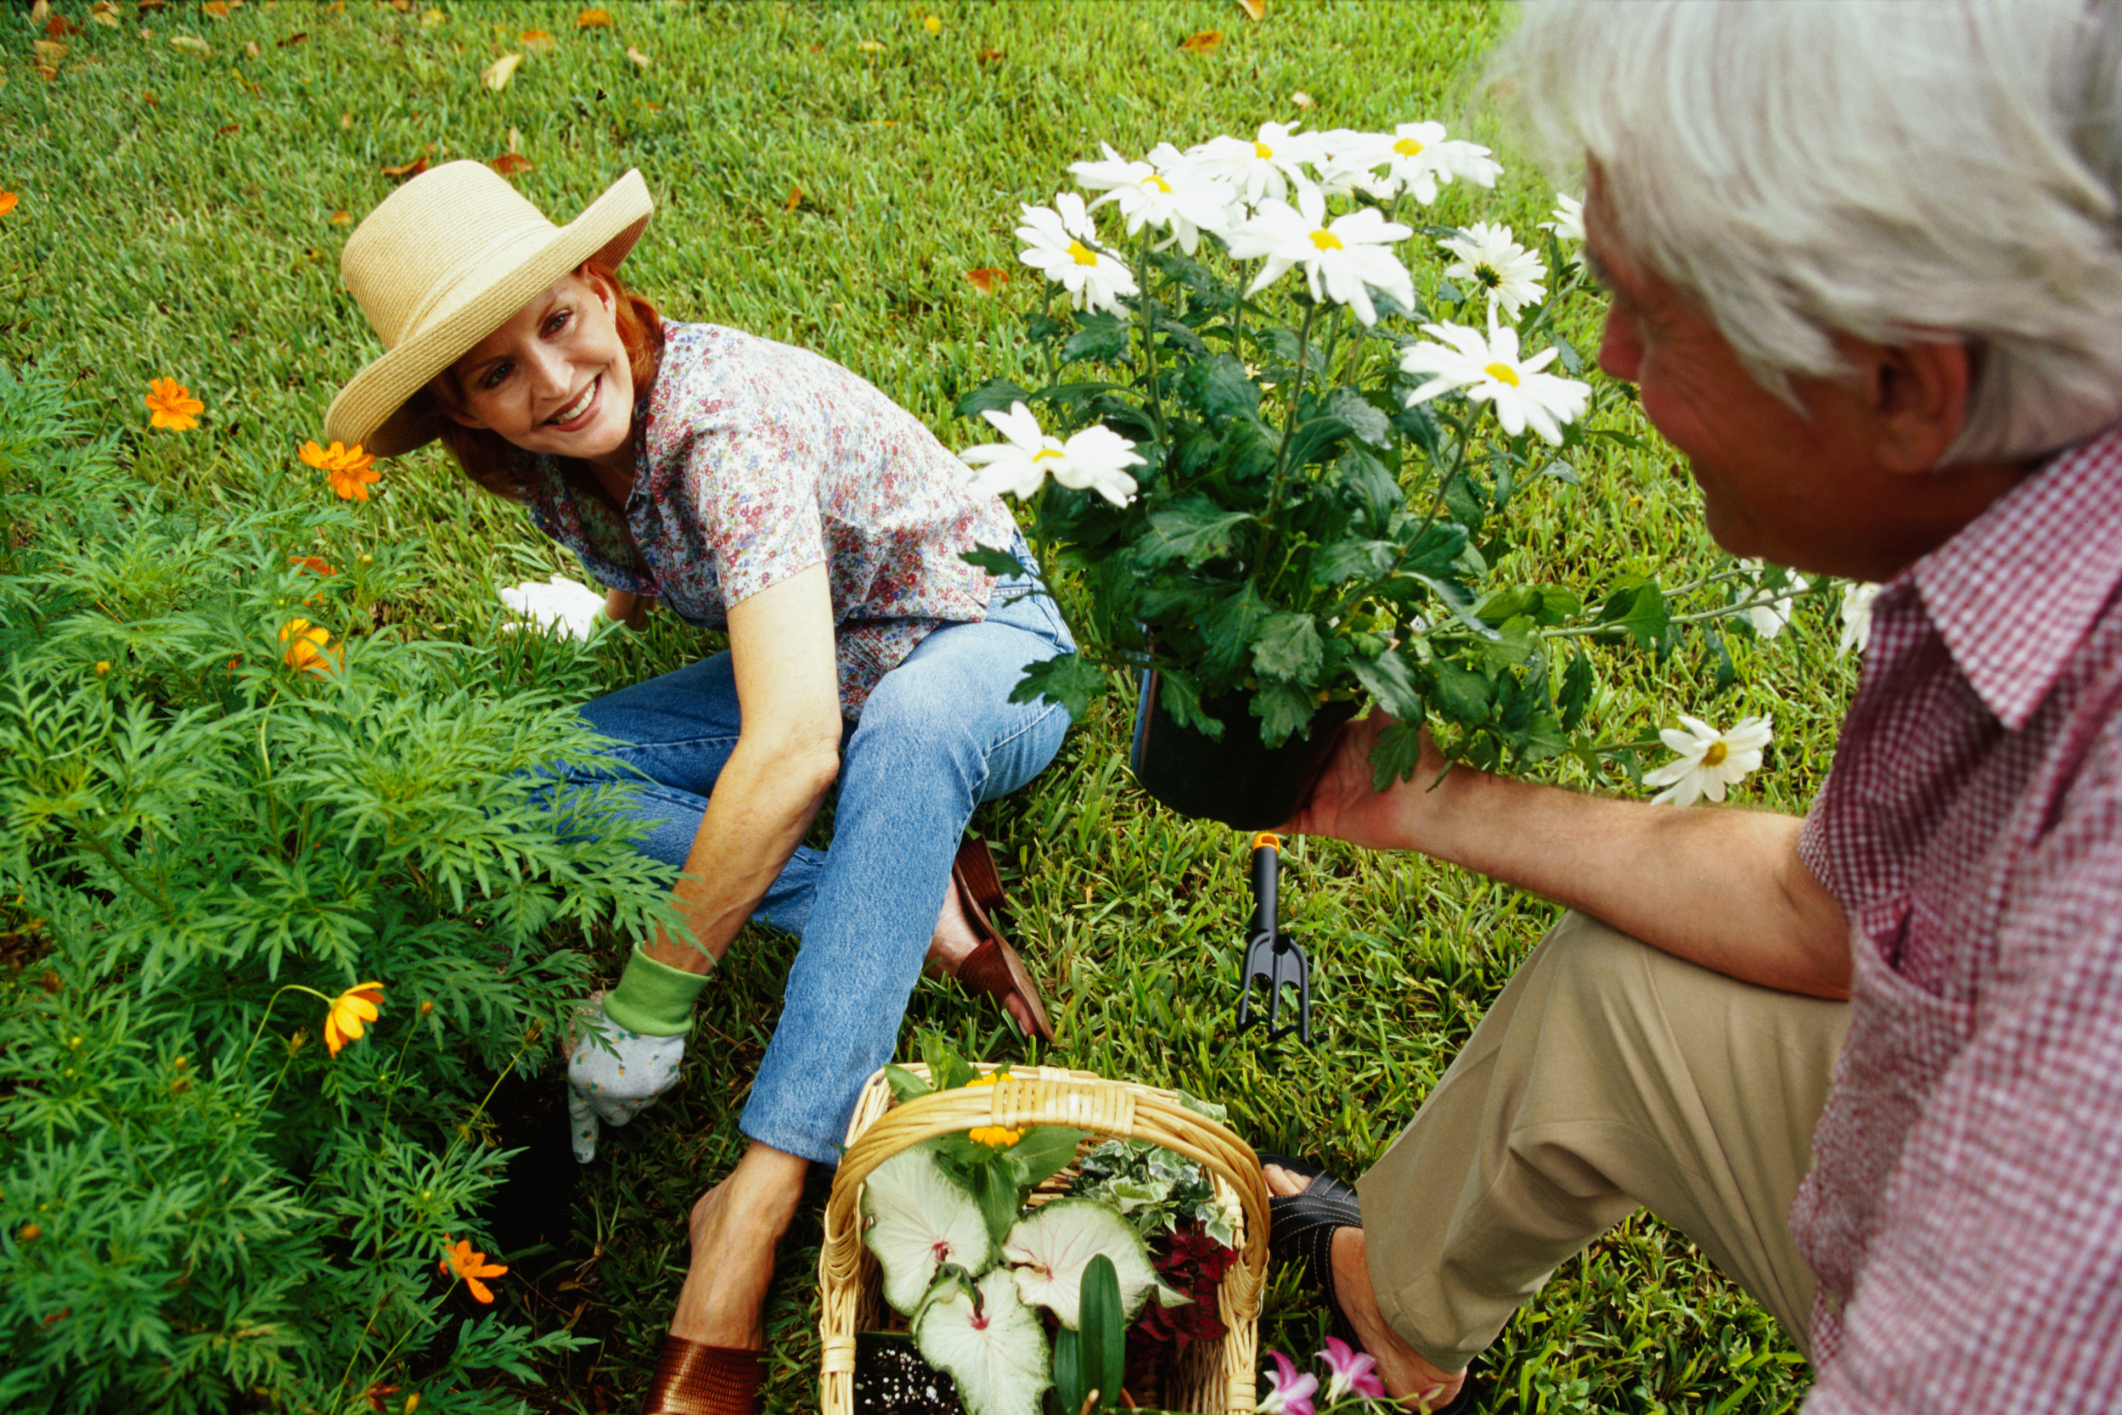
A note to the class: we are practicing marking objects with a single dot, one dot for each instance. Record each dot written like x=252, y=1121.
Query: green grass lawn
x=825, y=174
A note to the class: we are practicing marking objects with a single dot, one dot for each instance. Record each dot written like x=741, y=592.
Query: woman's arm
x=1722, y=888
x=786, y=758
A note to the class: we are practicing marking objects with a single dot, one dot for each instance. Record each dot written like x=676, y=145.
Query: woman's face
x=554, y=379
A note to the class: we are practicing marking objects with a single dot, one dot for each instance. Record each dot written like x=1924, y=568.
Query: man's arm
x=1719, y=887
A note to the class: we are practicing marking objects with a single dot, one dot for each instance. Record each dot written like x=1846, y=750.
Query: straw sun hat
x=444, y=262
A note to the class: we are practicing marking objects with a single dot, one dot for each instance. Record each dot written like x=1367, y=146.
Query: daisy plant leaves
x=1050, y=1250
x=991, y=1343
x=920, y=1217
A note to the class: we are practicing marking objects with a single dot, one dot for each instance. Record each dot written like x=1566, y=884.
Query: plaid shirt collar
x=2014, y=592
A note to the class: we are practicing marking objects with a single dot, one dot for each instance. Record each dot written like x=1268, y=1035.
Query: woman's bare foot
x=1408, y=1377
x=735, y=1228
x=954, y=940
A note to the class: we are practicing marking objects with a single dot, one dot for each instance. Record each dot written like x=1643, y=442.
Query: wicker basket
x=1212, y=1376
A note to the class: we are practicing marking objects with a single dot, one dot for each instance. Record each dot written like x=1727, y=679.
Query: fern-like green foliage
x=205, y=1209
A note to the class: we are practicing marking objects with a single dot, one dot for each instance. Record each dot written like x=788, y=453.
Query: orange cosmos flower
x=349, y=469
x=350, y=1014
x=173, y=406
x=468, y=1263
x=7, y=202
x=309, y=648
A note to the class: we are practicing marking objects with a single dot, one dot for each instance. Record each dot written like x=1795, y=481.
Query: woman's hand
x=1343, y=804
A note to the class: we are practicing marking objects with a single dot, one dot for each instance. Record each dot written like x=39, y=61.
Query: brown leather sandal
x=696, y=1379
x=993, y=968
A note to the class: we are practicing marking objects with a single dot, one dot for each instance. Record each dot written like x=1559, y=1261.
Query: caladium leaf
x=919, y=1219
x=994, y=1349
x=1050, y=1249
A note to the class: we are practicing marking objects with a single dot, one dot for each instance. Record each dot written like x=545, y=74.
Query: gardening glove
x=626, y=1051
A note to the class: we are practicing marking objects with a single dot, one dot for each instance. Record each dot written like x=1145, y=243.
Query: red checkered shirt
x=1964, y=1212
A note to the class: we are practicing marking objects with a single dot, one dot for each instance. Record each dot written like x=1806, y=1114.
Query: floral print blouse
x=758, y=460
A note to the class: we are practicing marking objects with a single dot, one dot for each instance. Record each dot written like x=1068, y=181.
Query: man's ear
x=1918, y=394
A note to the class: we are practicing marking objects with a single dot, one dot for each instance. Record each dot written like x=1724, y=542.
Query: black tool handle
x=1267, y=869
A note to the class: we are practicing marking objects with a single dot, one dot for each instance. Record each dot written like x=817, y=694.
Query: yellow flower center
x=1716, y=754
x=1041, y=455
x=1083, y=254
x=1326, y=240
x=1502, y=373
x=1262, y=151
x=1408, y=147
x=1153, y=180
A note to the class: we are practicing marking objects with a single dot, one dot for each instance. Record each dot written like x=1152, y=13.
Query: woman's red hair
x=488, y=458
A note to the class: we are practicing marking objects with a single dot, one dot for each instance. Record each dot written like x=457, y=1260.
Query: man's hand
x=1343, y=804
x=614, y=1074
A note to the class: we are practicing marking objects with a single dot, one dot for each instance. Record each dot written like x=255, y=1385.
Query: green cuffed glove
x=627, y=1051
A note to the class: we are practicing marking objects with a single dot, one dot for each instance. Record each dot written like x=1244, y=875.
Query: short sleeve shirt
x=1964, y=1212
x=757, y=461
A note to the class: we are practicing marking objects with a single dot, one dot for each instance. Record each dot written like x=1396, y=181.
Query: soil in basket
x=890, y=1376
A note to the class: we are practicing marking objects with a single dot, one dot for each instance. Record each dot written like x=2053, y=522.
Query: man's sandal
x=993, y=967
x=1301, y=1227
x=695, y=1379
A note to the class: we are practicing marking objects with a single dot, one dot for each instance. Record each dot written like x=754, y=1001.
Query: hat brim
x=371, y=409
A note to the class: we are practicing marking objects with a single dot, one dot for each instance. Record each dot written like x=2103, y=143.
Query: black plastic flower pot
x=1238, y=780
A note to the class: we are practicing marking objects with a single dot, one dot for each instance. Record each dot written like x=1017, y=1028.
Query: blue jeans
x=937, y=737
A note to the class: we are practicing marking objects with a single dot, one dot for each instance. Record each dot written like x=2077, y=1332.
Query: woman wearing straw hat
x=757, y=488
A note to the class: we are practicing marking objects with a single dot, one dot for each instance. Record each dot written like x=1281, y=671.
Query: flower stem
x=1289, y=431
x=1146, y=305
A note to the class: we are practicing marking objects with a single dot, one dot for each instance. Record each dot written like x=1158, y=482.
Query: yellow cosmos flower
x=308, y=647
x=171, y=405
x=350, y=1014
x=349, y=469
x=997, y=1136
x=464, y=1261
x=7, y=202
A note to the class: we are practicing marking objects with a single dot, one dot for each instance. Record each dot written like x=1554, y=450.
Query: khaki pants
x=1608, y=1076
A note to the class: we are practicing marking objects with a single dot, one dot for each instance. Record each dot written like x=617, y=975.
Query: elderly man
x=1866, y=272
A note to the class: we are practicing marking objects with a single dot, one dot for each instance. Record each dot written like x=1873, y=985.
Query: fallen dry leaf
x=403, y=7
x=40, y=12
x=217, y=8
x=104, y=13
x=148, y=7
x=346, y=120
x=515, y=140
x=342, y=217
x=46, y=72
x=1205, y=42
x=870, y=46
x=640, y=59
x=1301, y=99
x=294, y=39
x=411, y=169
x=992, y=56
x=432, y=18
x=192, y=42
x=536, y=36
x=508, y=164
x=147, y=96
x=497, y=74
x=59, y=27
x=795, y=199
x=51, y=51
x=250, y=50
x=226, y=128
x=987, y=279
x=1254, y=9
x=592, y=19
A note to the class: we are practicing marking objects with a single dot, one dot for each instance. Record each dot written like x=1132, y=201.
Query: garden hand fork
x=1271, y=955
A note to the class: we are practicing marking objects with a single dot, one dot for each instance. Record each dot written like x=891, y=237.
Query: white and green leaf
x=920, y=1218
x=1049, y=1250
x=995, y=1350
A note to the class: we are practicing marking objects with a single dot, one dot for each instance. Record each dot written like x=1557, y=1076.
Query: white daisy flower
x=1491, y=372
x=1423, y=158
x=1095, y=459
x=1348, y=163
x=1342, y=261
x=1856, y=617
x=1490, y=257
x=1568, y=224
x=1769, y=618
x=1060, y=242
x=1163, y=192
x=1709, y=760
x=1264, y=166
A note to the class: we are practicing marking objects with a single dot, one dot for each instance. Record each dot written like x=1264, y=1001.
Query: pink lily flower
x=1287, y=1392
x=1353, y=1371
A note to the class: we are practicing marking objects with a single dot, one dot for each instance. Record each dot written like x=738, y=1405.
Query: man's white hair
x=1897, y=170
